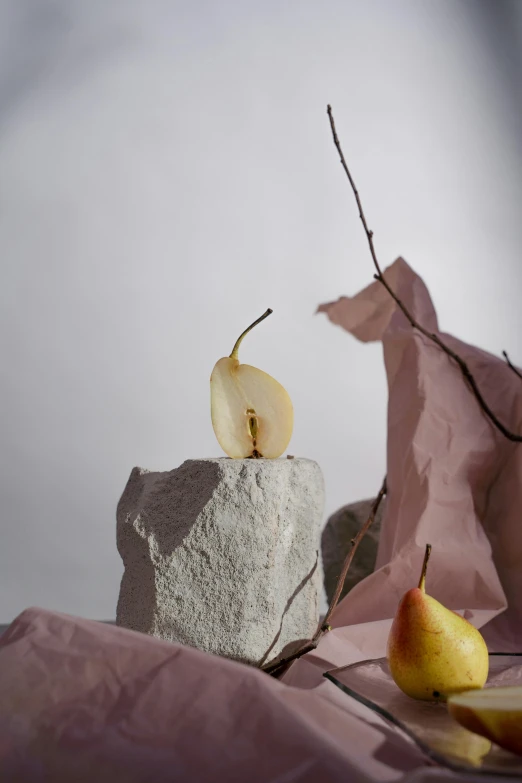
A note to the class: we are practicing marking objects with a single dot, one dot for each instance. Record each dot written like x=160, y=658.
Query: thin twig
x=347, y=563
x=275, y=666
x=509, y=363
x=466, y=372
x=324, y=625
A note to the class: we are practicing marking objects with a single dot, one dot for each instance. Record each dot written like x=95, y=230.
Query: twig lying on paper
x=466, y=372
x=275, y=666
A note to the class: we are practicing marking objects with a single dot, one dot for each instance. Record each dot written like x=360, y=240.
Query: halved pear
x=252, y=414
x=495, y=713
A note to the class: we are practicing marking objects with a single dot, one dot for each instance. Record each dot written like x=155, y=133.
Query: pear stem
x=422, y=580
x=235, y=349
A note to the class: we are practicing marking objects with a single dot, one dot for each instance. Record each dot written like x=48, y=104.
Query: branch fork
x=464, y=368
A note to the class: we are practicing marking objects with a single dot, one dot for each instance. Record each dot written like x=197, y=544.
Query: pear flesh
x=495, y=713
x=252, y=414
x=432, y=651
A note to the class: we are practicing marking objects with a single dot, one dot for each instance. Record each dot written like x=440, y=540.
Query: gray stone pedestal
x=222, y=554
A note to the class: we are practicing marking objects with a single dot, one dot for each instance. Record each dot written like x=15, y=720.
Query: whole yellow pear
x=432, y=651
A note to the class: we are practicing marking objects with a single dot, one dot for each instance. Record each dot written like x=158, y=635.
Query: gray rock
x=222, y=554
x=336, y=539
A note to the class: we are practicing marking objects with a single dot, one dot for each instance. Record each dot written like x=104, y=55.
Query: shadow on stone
x=174, y=500
x=293, y=645
x=137, y=614
x=169, y=523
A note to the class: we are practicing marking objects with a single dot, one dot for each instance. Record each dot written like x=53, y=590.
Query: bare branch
x=275, y=666
x=355, y=543
x=466, y=372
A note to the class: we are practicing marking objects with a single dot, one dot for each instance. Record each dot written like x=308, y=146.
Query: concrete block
x=222, y=554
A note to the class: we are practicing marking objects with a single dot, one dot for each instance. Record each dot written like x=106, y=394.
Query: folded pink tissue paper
x=84, y=702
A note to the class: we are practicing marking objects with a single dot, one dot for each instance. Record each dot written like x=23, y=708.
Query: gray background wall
x=167, y=173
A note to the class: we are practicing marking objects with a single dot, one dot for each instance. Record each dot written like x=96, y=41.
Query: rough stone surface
x=222, y=554
x=336, y=539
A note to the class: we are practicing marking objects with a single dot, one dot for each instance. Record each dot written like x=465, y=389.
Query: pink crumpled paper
x=453, y=479
x=82, y=702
